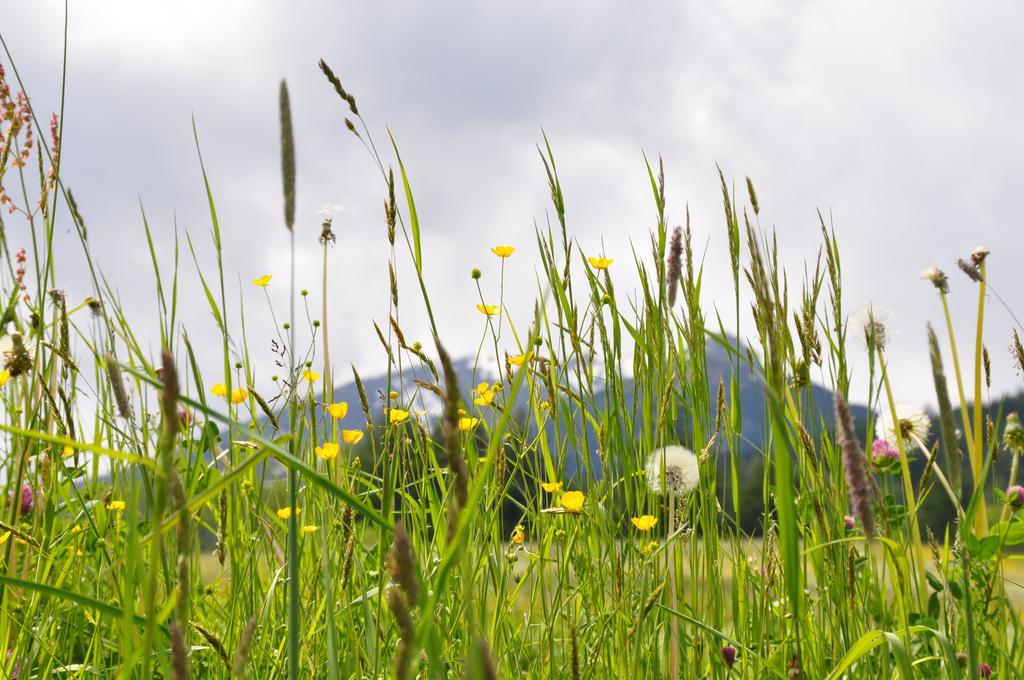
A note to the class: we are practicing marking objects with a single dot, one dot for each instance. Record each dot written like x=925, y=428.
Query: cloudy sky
x=901, y=120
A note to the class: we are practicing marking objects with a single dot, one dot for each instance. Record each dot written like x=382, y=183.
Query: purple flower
x=1015, y=496
x=882, y=451
x=729, y=655
x=28, y=500
x=984, y=670
x=849, y=521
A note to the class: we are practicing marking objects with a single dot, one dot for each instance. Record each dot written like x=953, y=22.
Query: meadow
x=579, y=513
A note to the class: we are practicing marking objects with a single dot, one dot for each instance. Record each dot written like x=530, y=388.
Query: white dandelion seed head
x=937, y=277
x=673, y=471
x=7, y=350
x=873, y=321
x=911, y=421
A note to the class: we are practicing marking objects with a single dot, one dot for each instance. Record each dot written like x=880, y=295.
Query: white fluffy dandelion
x=673, y=471
x=937, y=277
x=874, y=322
x=911, y=421
x=8, y=357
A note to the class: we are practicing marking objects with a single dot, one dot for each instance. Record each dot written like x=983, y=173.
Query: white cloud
x=899, y=119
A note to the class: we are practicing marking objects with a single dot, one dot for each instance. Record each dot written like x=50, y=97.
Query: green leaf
x=414, y=220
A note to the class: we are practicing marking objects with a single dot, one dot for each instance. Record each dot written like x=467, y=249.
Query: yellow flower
x=397, y=415
x=67, y=451
x=544, y=406
x=393, y=395
x=116, y=506
x=286, y=513
x=328, y=451
x=310, y=376
x=219, y=390
x=648, y=548
x=600, y=262
x=4, y=537
x=238, y=395
x=75, y=529
x=644, y=522
x=4, y=377
x=309, y=528
x=338, y=410
x=503, y=251
x=351, y=436
x=485, y=395
x=518, y=535
x=466, y=424
x=551, y=487
x=262, y=281
x=489, y=310
x=521, y=359
x=572, y=501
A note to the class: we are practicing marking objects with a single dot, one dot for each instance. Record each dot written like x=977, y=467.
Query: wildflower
x=1015, y=496
x=673, y=471
x=16, y=355
x=544, y=406
x=729, y=655
x=309, y=528
x=310, y=376
x=397, y=415
x=503, y=251
x=551, y=487
x=1013, y=434
x=76, y=529
x=338, y=410
x=518, y=535
x=286, y=513
x=984, y=670
x=600, y=262
x=572, y=501
x=467, y=424
x=521, y=359
x=874, y=326
x=327, y=451
x=262, y=281
x=937, y=277
x=5, y=375
x=485, y=395
x=644, y=522
x=648, y=548
x=351, y=437
x=849, y=522
x=911, y=421
x=238, y=395
x=67, y=451
x=883, y=452
x=488, y=310
x=392, y=395
x=116, y=506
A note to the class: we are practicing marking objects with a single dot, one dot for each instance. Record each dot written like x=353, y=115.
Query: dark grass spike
x=287, y=157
